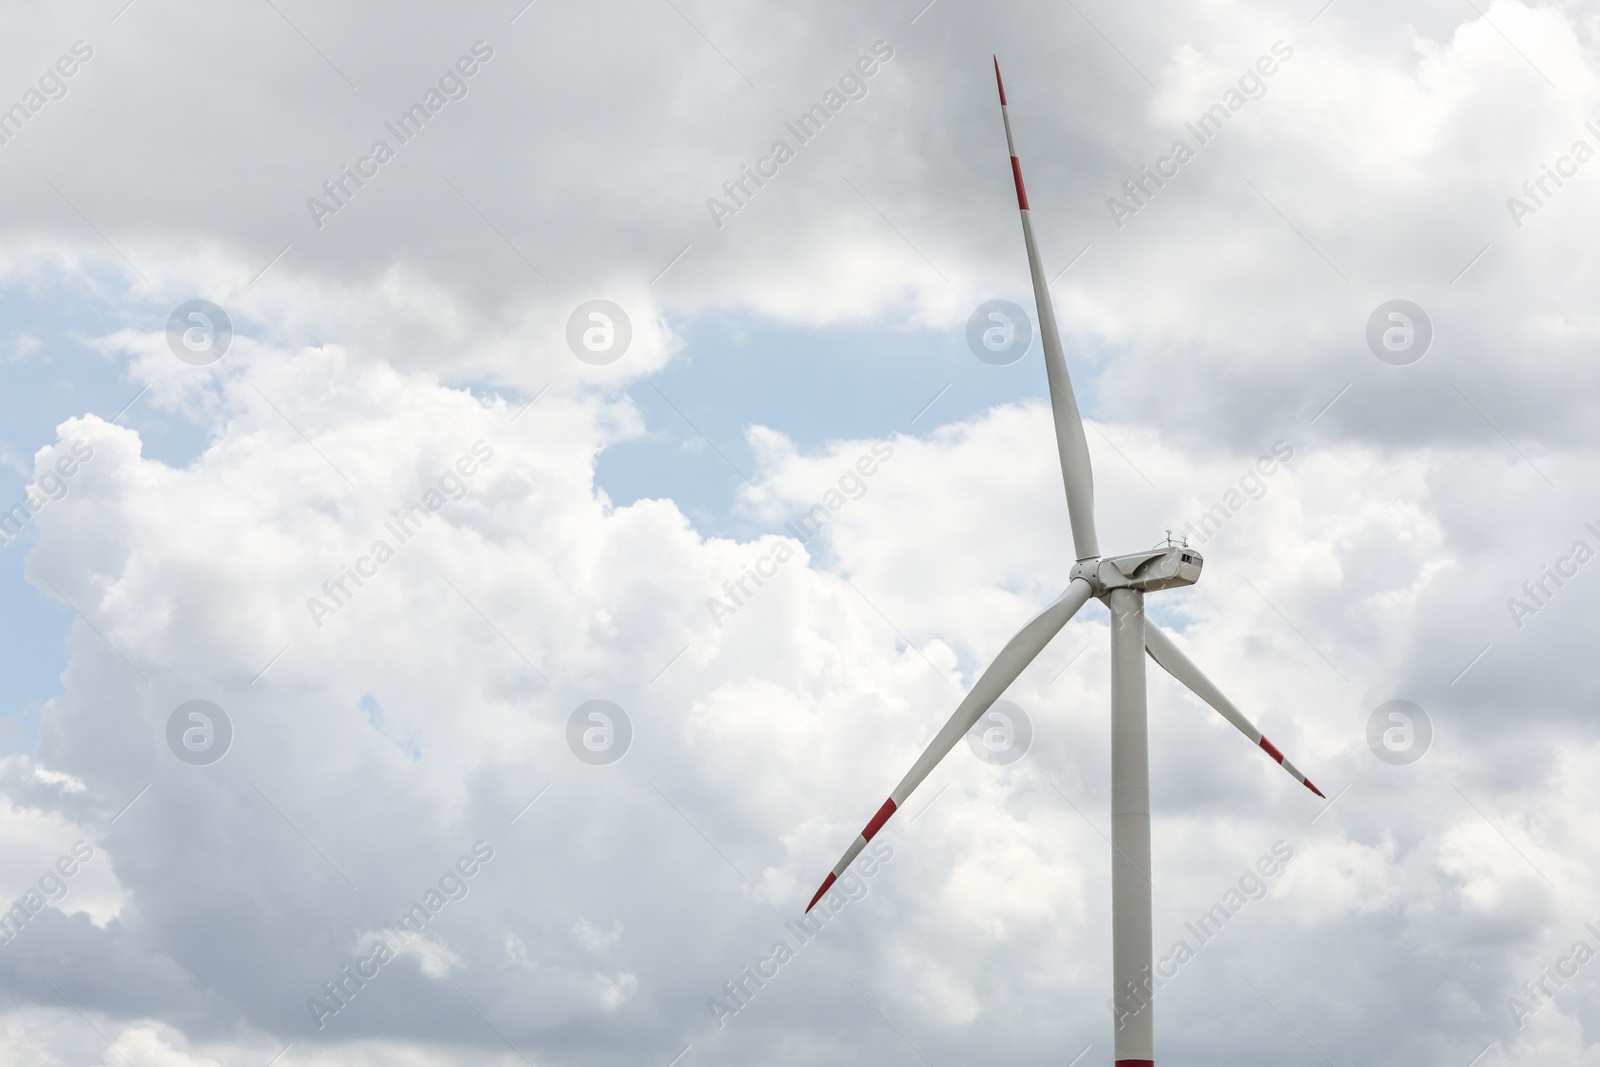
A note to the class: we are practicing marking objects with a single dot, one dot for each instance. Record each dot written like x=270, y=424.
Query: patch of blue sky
x=814, y=385
x=379, y=721
x=49, y=372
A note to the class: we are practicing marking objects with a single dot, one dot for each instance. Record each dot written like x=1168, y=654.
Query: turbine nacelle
x=1167, y=567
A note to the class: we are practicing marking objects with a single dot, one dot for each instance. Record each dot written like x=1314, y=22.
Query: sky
x=415, y=651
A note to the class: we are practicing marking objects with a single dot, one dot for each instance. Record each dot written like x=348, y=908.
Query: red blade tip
x=1315, y=790
x=879, y=819
x=827, y=884
x=998, y=82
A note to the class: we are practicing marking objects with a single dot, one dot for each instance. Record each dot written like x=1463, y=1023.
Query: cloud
x=592, y=937
x=414, y=329
x=759, y=745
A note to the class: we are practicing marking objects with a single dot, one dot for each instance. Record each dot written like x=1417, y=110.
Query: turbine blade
x=1071, y=444
x=1020, y=651
x=1165, y=652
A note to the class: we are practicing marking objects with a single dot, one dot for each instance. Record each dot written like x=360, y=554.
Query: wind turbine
x=1120, y=582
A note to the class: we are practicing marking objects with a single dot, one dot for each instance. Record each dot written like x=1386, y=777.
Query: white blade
x=1070, y=442
x=1018, y=653
x=1175, y=663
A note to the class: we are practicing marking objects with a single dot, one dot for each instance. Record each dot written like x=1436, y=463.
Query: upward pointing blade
x=1018, y=653
x=1070, y=441
x=1172, y=659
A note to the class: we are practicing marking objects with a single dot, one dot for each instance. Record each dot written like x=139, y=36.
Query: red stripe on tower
x=1022, y=194
x=879, y=819
x=1271, y=749
x=1136, y=1063
x=827, y=883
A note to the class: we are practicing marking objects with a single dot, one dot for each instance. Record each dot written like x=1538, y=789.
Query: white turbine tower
x=1121, y=583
